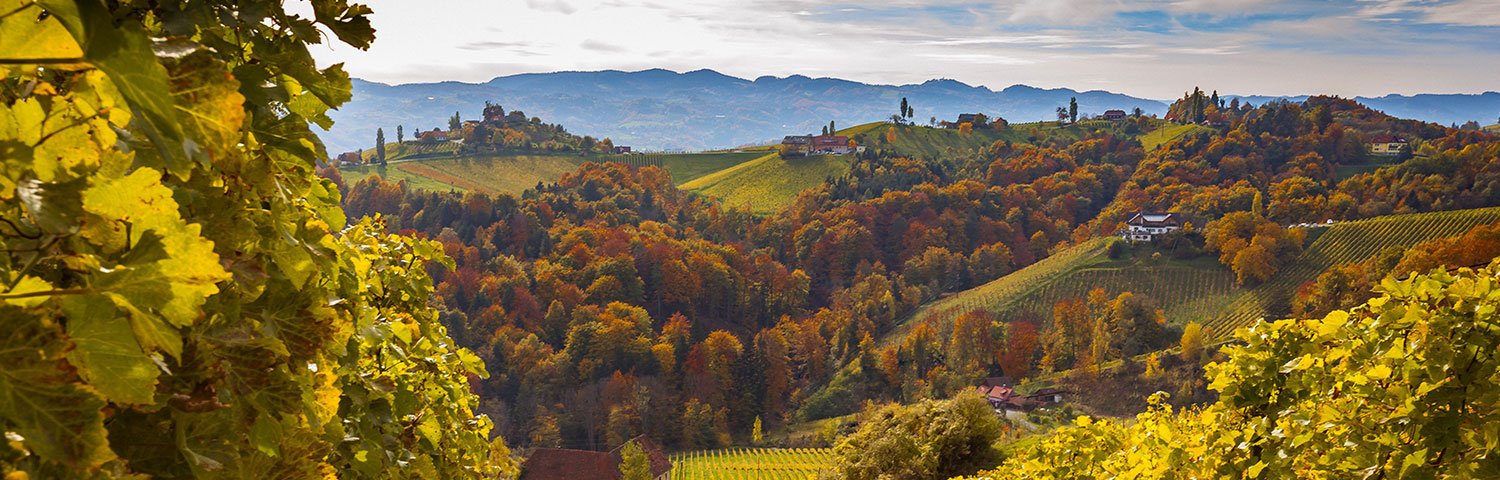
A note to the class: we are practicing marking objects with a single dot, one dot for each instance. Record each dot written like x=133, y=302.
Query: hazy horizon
x=1151, y=49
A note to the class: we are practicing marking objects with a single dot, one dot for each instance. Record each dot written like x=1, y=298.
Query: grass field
x=769, y=183
x=752, y=464
x=393, y=173
x=1168, y=132
x=1342, y=243
x=513, y=174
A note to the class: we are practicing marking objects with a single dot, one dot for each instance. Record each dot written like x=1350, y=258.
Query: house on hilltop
x=567, y=464
x=796, y=145
x=835, y=144
x=1387, y=145
x=1114, y=115
x=436, y=135
x=621, y=149
x=1146, y=226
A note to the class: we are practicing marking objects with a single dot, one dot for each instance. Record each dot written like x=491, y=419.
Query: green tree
x=400, y=134
x=380, y=145
x=928, y=440
x=634, y=463
x=832, y=129
x=182, y=296
x=1073, y=109
x=455, y=122
x=905, y=109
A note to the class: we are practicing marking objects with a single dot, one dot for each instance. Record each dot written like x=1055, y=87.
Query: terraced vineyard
x=752, y=464
x=1185, y=292
x=1004, y=292
x=1342, y=243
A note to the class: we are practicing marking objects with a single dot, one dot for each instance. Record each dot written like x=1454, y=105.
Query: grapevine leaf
x=351, y=23
x=171, y=270
x=29, y=285
x=124, y=53
x=106, y=353
x=54, y=207
x=24, y=36
x=60, y=420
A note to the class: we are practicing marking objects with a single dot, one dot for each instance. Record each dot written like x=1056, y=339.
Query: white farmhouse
x=1145, y=226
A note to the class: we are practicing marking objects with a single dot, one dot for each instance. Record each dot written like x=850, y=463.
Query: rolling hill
x=514, y=173
x=1341, y=243
x=769, y=182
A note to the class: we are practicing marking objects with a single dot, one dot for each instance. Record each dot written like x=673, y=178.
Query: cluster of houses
x=795, y=145
x=568, y=464
x=1002, y=397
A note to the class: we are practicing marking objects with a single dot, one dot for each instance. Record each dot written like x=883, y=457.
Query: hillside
x=1340, y=243
x=514, y=174
x=769, y=182
x=1186, y=290
x=1169, y=132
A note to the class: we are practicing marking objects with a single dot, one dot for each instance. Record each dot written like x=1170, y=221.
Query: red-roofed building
x=566, y=464
x=836, y=144
x=435, y=135
x=1387, y=145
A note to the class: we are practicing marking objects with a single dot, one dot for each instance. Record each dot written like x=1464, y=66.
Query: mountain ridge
x=659, y=109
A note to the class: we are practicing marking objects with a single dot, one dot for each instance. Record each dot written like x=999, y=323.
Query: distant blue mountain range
x=703, y=109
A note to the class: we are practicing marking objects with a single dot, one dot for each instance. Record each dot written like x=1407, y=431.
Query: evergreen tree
x=825, y=130
x=832, y=130
x=1073, y=110
x=380, y=145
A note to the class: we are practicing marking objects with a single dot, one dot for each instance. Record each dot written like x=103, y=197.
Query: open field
x=1342, y=243
x=752, y=464
x=1167, y=133
x=514, y=173
x=770, y=182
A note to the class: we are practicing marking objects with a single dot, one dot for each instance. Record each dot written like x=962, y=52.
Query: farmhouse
x=796, y=144
x=566, y=464
x=436, y=135
x=1114, y=115
x=619, y=149
x=836, y=144
x=1387, y=145
x=350, y=158
x=1145, y=226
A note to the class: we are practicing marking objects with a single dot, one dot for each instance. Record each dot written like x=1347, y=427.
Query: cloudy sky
x=1154, y=48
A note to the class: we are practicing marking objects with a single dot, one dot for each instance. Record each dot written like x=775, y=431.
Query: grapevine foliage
x=179, y=293
x=1404, y=386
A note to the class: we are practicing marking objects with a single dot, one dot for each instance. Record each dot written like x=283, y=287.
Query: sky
x=1154, y=49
